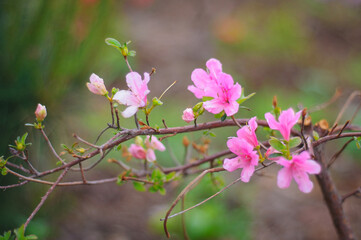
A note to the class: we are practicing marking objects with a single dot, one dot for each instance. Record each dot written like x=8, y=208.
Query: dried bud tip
x=304, y=112
x=323, y=124
x=274, y=102
x=185, y=141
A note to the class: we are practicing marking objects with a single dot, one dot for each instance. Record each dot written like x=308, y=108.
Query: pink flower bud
x=188, y=115
x=137, y=151
x=40, y=113
x=96, y=85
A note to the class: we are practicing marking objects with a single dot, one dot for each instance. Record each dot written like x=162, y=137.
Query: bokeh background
x=301, y=51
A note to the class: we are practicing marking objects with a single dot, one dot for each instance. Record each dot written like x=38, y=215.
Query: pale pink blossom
x=152, y=143
x=136, y=97
x=298, y=168
x=246, y=158
x=286, y=121
x=218, y=85
x=40, y=113
x=188, y=115
x=137, y=151
x=96, y=85
x=248, y=132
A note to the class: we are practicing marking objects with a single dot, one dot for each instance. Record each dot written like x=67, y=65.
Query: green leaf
x=6, y=236
x=119, y=147
x=315, y=135
x=219, y=115
x=157, y=102
x=294, y=142
x=170, y=176
x=197, y=107
x=224, y=117
x=277, y=144
x=274, y=155
x=31, y=237
x=153, y=189
x=243, y=98
x=132, y=53
x=206, y=99
x=139, y=186
x=162, y=191
x=29, y=125
x=158, y=175
x=113, y=42
x=4, y=171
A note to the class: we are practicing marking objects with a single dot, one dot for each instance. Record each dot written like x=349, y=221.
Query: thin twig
x=101, y=133
x=343, y=128
x=353, y=193
x=43, y=199
x=335, y=96
x=136, y=121
x=82, y=173
x=112, y=111
x=127, y=62
x=117, y=115
x=345, y=106
x=236, y=122
x=336, y=155
x=51, y=146
x=31, y=167
x=184, y=228
x=85, y=142
x=18, y=167
x=165, y=125
x=14, y=185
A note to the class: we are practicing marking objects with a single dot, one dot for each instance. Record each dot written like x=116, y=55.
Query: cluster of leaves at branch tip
x=358, y=142
x=20, y=143
x=18, y=234
x=122, y=47
x=284, y=146
x=3, y=169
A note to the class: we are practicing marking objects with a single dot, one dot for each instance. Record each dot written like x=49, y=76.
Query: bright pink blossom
x=248, y=133
x=298, y=168
x=218, y=85
x=246, y=158
x=40, y=113
x=137, y=151
x=96, y=85
x=136, y=97
x=188, y=115
x=286, y=121
x=152, y=143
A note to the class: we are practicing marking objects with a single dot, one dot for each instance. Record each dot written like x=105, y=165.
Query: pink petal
x=137, y=151
x=225, y=81
x=284, y=162
x=134, y=81
x=272, y=123
x=247, y=173
x=253, y=124
x=231, y=108
x=304, y=183
x=284, y=178
x=126, y=97
x=96, y=79
x=214, y=106
x=235, y=92
x=151, y=155
x=198, y=93
x=214, y=66
x=234, y=144
x=156, y=144
x=311, y=167
x=200, y=78
x=231, y=164
x=129, y=111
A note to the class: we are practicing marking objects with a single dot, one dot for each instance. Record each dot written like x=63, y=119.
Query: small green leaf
x=206, y=99
x=139, y=186
x=113, y=42
x=315, y=135
x=170, y=176
x=277, y=144
x=294, y=142
x=119, y=147
x=23, y=138
x=162, y=191
x=6, y=236
x=224, y=117
x=197, y=107
x=219, y=115
x=274, y=155
x=4, y=171
x=30, y=124
x=157, y=102
x=31, y=237
x=132, y=53
x=243, y=99
x=153, y=189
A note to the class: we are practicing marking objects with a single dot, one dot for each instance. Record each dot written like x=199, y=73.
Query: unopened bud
x=274, y=102
x=40, y=113
x=157, y=102
x=323, y=124
x=304, y=112
x=185, y=141
x=124, y=50
x=138, y=140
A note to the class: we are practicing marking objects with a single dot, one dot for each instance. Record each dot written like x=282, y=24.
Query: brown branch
x=184, y=228
x=18, y=167
x=43, y=199
x=82, y=173
x=14, y=185
x=345, y=106
x=51, y=146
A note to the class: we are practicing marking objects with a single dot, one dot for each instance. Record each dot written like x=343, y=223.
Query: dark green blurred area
x=300, y=51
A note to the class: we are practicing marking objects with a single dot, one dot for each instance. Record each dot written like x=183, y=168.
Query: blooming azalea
x=40, y=113
x=136, y=97
x=286, y=121
x=137, y=151
x=96, y=85
x=188, y=115
x=246, y=158
x=297, y=168
x=218, y=85
x=248, y=133
x=152, y=143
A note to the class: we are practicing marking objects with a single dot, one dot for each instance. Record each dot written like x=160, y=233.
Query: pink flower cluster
x=217, y=85
x=147, y=153
x=298, y=167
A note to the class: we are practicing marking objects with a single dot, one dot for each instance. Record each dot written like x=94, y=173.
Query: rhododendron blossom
x=298, y=168
x=248, y=133
x=246, y=158
x=217, y=85
x=151, y=143
x=188, y=115
x=285, y=123
x=40, y=113
x=137, y=151
x=136, y=97
x=96, y=85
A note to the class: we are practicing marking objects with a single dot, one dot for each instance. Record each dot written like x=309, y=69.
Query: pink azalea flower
x=96, y=85
x=297, y=168
x=286, y=121
x=137, y=151
x=218, y=85
x=136, y=97
x=248, y=133
x=151, y=145
x=40, y=113
x=188, y=115
x=246, y=158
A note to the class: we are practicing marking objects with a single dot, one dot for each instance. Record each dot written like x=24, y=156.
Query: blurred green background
x=299, y=50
